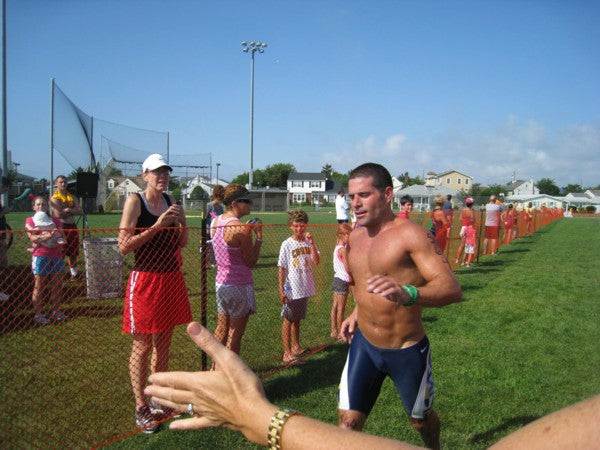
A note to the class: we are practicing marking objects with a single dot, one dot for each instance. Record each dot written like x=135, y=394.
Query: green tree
x=198, y=194
x=114, y=172
x=407, y=180
x=548, y=186
x=572, y=188
x=327, y=170
x=73, y=173
x=275, y=175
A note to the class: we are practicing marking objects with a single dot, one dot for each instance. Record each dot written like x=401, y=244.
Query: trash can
x=103, y=267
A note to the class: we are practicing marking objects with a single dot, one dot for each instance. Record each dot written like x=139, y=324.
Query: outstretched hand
x=231, y=396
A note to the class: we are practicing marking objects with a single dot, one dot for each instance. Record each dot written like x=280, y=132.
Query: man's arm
x=440, y=287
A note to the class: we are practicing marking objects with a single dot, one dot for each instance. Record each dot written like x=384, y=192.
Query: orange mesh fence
x=71, y=377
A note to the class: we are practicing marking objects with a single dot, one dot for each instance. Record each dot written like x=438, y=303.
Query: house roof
x=453, y=171
x=593, y=192
x=307, y=176
x=578, y=194
x=530, y=197
x=515, y=184
x=421, y=190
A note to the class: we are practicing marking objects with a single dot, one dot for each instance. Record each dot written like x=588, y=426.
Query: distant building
x=521, y=187
x=312, y=187
x=423, y=196
x=451, y=179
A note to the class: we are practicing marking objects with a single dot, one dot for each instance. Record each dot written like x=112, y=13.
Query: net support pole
x=3, y=126
x=51, y=183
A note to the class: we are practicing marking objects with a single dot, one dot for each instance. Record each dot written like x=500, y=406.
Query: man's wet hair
x=381, y=176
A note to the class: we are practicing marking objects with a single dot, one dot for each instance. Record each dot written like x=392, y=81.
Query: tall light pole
x=218, y=164
x=252, y=47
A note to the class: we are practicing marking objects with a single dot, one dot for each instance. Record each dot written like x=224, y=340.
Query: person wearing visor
x=236, y=253
x=153, y=227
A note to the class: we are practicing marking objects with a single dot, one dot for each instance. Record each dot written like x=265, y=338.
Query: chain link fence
x=67, y=384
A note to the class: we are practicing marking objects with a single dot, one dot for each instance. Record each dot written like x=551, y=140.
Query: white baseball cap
x=155, y=161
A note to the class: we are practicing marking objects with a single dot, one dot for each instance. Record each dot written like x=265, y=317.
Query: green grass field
x=524, y=342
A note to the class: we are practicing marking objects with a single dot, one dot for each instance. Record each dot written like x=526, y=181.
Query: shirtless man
x=397, y=271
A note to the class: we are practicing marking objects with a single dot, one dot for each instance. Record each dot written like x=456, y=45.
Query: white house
x=521, y=187
x=124, y=185
x=311, y=187
x=536, y=200
x=423, y=195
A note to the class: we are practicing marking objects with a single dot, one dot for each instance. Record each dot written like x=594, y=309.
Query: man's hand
x=348, y=327
x=389, y=288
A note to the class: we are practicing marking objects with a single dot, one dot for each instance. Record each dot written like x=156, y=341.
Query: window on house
x=466, y=181
x=315, y=184
x=126, y=182
x=458, y=180
x=447, y=180
x=299, y=198
x=297, y=183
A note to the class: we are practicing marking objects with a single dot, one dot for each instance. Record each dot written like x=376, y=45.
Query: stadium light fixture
x=252, y=48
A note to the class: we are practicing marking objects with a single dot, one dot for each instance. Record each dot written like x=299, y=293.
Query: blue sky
x=489, y=88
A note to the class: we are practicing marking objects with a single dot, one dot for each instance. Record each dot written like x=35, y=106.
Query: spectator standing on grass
x=342, y=213
x=466, y=214
x=297, y=255
x=341, y=278
x=154, y=228
x=492, y=226
x=214, y=209
x=46, y=263
x=397, y=270
x=4, y=210
x=406, y=206
x=65, y=207
x=508, y=219
x=447, y=208
x=440, y=225
x=235, y=254
x=470, y=235
x=529, y=213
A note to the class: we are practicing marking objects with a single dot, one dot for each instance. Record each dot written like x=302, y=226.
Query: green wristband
x=412, y=292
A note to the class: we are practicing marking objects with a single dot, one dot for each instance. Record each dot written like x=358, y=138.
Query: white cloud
x=525, y=148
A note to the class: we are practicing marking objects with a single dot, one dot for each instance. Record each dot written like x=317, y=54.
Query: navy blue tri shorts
x=367, y=366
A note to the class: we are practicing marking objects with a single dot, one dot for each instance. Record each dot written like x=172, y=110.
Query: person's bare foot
x=288, y=357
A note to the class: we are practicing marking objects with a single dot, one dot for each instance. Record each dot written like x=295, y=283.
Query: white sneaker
x=41, y=319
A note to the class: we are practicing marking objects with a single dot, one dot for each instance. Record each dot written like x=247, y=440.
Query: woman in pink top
x=47, y=262
x=235, y=254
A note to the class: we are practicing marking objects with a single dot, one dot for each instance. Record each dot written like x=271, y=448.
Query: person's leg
x=237, y=326
x=285, y=338
x=222, y=328
x=429, y=429
x=295, y=336
x=485, y=245
x=461, y=247
x=138, y=366
x=351, y=420
x=38, y=293
x=161, y=344
x=55, y=288
x=336, y=312
x=341, y=311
